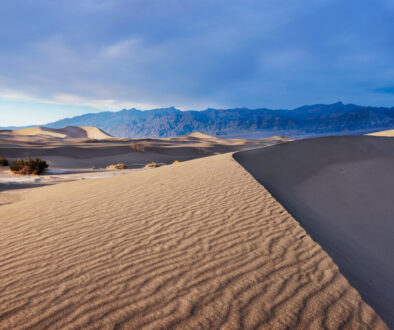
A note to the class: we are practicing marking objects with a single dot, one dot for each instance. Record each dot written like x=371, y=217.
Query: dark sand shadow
x=340, y=189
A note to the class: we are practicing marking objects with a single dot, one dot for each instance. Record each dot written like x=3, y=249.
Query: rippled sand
x=198, y=244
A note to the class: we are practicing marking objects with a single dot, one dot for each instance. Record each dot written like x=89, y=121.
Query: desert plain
x=203, y=243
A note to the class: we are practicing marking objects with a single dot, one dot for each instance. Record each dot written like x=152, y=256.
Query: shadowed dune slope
x=199, y=244
x=340, y=189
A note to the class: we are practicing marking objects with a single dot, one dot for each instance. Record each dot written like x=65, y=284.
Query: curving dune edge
x=197, y=245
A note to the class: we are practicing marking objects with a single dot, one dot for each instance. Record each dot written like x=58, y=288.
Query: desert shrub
x=28, y=166
x=120, y=166
x=138, y=146
x=3, y=161
x=152, y=164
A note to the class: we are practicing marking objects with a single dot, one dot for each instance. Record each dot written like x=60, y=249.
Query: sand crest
x=383, y=133
x=340, y=190
x=89, y=132
x=199, y=244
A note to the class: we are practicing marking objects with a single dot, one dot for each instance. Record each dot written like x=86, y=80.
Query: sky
x=61, y=58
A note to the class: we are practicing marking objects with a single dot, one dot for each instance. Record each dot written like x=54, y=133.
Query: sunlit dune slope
x=383, y=133
x=66, y=132
x=196, y=245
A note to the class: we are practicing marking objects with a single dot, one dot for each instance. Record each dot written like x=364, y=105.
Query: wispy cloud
x=120, y=48
x=10, y=94
x=74, y=100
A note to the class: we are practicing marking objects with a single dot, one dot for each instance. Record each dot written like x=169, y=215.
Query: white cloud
x=120, y=48
x=67, y=98
x=10, y=94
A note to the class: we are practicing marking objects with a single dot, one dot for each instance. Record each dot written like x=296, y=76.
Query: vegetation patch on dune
x=138, y=146
x=29, y=166
x=3, y=161
x=152, y=164
x=119, y=166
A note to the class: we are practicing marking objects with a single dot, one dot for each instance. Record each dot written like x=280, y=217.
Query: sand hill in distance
x=87, y=147
x=79, y=153
x=66, y=132
x=383, y=133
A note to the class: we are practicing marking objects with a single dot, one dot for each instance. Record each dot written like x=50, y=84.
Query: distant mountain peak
x=169, y=109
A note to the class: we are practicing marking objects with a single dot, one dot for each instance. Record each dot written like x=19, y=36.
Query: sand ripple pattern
x=196, y=245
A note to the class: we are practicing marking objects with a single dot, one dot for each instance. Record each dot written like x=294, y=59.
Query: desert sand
x=194, y=245
x=66, y=132
x=340, y=189
x=86, y=147
x=383, y=133
x=73, y=156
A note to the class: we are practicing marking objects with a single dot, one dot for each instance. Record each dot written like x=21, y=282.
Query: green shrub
x=28, y=166
x=3, y=161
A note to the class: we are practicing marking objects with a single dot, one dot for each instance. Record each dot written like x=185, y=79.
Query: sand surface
x=78, y=152
x=340, y=189
x=16, y=187
x=71, y=155
x=383, y=133
x=194, y=245
x=89, y=132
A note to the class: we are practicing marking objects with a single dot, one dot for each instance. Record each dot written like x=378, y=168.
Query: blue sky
x=59, y=58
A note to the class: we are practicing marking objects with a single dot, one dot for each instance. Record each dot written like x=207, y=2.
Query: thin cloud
x=74, y=100
x=121, y=48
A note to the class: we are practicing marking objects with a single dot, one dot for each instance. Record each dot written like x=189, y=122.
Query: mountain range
x=310, y=120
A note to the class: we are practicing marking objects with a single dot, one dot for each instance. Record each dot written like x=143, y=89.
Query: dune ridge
x=197, y=245
x=340, y=190
x=387, y=133
x=89, y=132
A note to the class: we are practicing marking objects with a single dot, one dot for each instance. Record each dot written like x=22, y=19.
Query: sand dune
x=199, y=245
x=66, y=132
x=76, y=153
x=200, y=135
x=38, y=131
x=341, y=191
x=383, y=133
x=96, y=133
